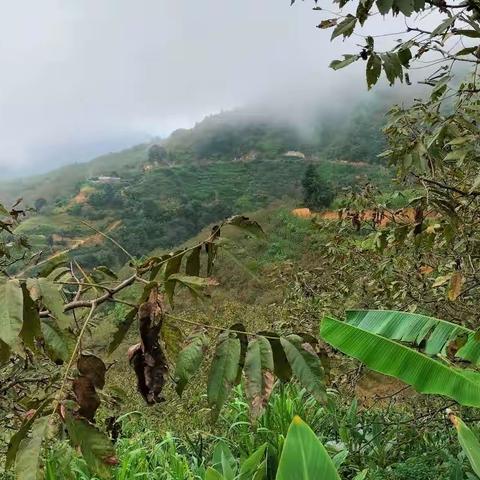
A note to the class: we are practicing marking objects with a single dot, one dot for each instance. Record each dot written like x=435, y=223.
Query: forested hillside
x=159, y=195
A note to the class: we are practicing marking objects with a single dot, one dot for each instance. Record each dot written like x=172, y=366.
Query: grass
x=355, y=438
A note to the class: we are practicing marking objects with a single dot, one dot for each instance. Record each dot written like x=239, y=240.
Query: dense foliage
x=390, y=264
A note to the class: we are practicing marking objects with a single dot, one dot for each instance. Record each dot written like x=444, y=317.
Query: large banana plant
x=416, y=349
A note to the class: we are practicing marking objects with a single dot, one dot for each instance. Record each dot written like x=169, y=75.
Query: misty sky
x=81, y=78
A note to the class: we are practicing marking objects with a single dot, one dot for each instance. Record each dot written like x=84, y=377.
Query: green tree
x=40, y=203
x=157, y=153
x=317, y=193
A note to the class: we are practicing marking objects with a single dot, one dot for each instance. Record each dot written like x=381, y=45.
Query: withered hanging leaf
x=92, y=367
x=189, y=360
x=239, y=330
x=86, y=397
x=223, y=371
x=155, y=366
x=455, y=287
x=96, y=448
x=259, y=376
x=331, y=22
x=137, y=362
x=282, y=368
x=245, y=223
x=192, y=267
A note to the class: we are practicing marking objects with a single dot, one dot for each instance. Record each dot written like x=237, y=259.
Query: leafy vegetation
x=391, y=262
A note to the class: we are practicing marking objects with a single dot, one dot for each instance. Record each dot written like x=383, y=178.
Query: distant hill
x=158, y=195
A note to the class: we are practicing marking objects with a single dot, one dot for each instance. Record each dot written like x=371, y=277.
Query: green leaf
x=469, y=443
x=3, y=211
x=374, y=68
x=239, y=330
x=125, y=325
x=172, y=267
x=195, y=285
x=58, y=342
x=245, y=223
x=467, y=33
x=442, y=27
x=345, y=27
x=212, y=474
x=384, y=6
x=306, y=366
x=28, y=458
x=189, y=360
x=405, y=55
x=281, y=367
x=405, y=6
x=253, y=463
x=45, y=290
x=224, y=461
x=106, y=271
x=303, y=456
x=11, y=311
x=419, y=5
x=383, y=355
x=172, y=337
x=392, y=67
x=122, y=330
x=223, y=371
x=31, y=321
x=363, y=10
x=417, y=330
x=20, y=434
x=52, y=264
x=348, y=59
x=192, y=266
x=4, y=352
x=97, y=449
x=259, y=377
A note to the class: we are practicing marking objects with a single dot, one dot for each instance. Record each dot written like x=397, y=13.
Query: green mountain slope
x=229, y=163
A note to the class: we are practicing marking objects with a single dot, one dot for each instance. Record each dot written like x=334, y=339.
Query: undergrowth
x=389, y=443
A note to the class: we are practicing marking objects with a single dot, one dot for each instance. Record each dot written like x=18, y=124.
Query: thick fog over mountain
x=82, y=78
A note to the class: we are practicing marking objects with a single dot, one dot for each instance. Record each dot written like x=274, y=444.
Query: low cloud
x=82, y=78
